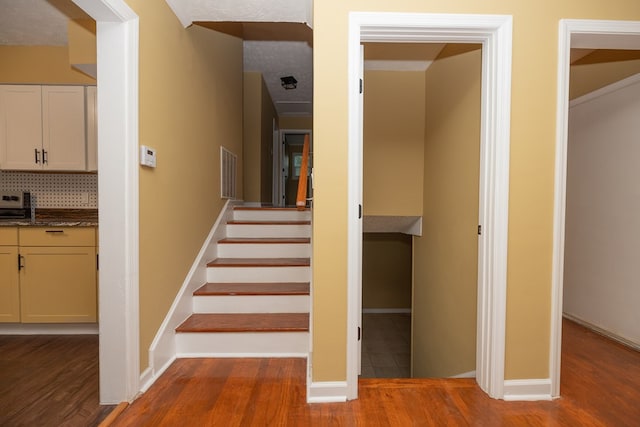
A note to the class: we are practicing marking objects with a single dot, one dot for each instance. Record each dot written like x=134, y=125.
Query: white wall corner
x=163, y=348
x=181, y=9
x=327, y=392
x=470, y=374
x=527, y=390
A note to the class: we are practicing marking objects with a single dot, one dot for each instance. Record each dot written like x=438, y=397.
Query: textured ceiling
x=36, y=22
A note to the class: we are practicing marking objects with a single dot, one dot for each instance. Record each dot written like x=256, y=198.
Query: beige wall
x=393, y=142
x=252, y=117
x=589, y=77
x=533, y=125
x=266, y=144
x=446, y=256
x=190, y=104
x=39, y=65
x=259, y=113
x=82, y=41
x=386, y=270
x=304, y=123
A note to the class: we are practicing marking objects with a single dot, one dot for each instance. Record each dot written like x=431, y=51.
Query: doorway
x=290, y=166
x=574, y=34
x=494, y=33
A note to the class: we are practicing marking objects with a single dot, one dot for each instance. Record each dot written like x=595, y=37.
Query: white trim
x=386, y=310
x=163, y=347
x=470, y=374
x=585, y=32
x=519, y=390
x=48, y=329
x=495, y=34
x=327, y=392
x=117, y=59
x=149, y=376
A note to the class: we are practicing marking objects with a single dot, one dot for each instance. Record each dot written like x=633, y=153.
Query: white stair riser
x=271, y=215
x=242, y=344
x=264, y=250
x=251, y=304
x=258, y=274
x=262, y=230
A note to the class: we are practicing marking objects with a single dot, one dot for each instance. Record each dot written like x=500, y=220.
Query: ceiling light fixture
x=289, y=82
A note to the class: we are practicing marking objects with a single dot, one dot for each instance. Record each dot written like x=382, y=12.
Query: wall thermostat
x=147, y=156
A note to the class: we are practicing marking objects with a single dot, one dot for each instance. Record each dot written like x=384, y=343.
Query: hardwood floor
x=600, y=387
x=49, y=381
x=53, y=381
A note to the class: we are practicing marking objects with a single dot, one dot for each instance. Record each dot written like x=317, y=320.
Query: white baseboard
x=187, y=355
x=470, y=374
x=49, y=329
x=327, y=392
x=534, y=389
x=386, y=310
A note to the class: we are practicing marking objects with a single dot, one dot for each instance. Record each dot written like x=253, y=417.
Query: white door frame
x=494, y=32
x=587, y=34
x=117, y=56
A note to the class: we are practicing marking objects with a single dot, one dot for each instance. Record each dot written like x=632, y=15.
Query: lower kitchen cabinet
x=9, y=285
x=58, y=275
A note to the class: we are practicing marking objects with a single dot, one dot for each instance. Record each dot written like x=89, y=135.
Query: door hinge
x=479, y=230
x=359, y=333
x=361, y=84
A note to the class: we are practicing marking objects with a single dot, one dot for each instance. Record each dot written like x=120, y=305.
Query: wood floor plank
x=50, y=380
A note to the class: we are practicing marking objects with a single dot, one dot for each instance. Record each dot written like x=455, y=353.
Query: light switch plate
x=147, y=156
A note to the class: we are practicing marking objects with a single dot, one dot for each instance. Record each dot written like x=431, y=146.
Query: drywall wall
x=393, y=142
x=269, y=116
x=190, y=105
x=531, y=183
x=602, y=237
x=386, y=271
x=39, y=64
x=252, y=118
x=445, y=257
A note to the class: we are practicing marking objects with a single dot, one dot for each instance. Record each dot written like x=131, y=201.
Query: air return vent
x=228, y=166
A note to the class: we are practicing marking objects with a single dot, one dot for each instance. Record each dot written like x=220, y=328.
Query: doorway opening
x=494, y=34
x=288, y=169
x=594, y=223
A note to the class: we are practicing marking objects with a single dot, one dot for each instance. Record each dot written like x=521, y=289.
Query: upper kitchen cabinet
x=42, y=128
x=92, y=128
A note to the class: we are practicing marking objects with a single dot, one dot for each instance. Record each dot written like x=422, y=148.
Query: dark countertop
x=56, y=218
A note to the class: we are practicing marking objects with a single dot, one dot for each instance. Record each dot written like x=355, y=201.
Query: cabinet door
x=58, y=285
x=20, y=127
x=63, y=124
x=9, y=288
x=92, y=129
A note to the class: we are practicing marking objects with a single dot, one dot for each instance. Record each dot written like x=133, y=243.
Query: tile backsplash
x=54, y=190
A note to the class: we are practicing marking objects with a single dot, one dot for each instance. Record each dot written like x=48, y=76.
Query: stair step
x=258, y=222
x=225, y=289
x=248, y=213
x=260, y=262
x=265, y=240
x=268, y=208
x=245, y=322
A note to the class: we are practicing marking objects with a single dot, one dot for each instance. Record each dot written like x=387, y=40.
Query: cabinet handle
x=37, y=154
x=44, y=157
x=54, y=231
x=20, y=265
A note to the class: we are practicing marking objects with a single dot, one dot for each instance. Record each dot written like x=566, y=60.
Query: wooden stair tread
x=241, y=322
x=266, y=208
x=289, y=288
x=267, y=222
x=259, y=262
x=265, y=240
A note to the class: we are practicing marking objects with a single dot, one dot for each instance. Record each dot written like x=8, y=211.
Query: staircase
x=256, y=302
